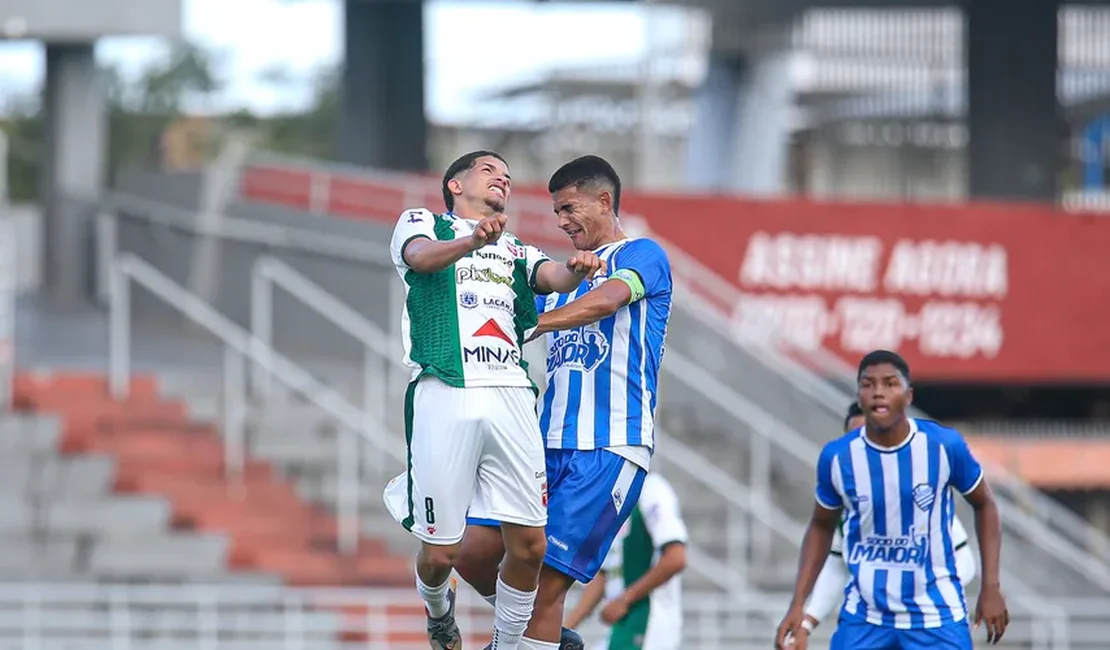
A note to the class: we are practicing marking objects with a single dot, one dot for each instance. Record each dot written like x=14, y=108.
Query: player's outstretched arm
x=556, y=278
x=815, y=550
x=991, y=608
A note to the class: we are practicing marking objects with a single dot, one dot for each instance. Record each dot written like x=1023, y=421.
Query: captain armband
x=632, y=279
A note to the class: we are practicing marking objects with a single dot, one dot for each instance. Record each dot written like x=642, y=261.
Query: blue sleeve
x=965, y=473
x=650, y=262
x=827, y=495
x=541, y=303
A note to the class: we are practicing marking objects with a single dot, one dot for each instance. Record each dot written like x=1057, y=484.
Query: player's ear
x=909, y=396
x=455, y=185
x=605, y=198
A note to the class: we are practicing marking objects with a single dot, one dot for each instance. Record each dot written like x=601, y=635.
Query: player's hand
x=614, y=611
x=790, y=629
x=991, y=610
x=799, y=640
x=488, y=231
x=586, y=264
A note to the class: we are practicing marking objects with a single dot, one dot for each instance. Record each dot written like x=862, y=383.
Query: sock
x=491, y=599
x=434, y=597
x=532, y=644
x=510, y=616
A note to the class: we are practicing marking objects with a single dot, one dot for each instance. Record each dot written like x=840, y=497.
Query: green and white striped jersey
x=467, y=323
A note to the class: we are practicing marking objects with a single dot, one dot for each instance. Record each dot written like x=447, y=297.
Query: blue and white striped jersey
x=898, y=523
x=602, y=379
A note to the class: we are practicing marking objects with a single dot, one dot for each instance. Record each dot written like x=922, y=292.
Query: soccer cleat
x=569, y=640
x=443, y=632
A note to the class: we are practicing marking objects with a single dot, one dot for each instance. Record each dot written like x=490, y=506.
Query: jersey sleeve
x=645, y=267
x=662, y=516
x=411, y=224
x=965, y=472
x=534, y=258
x=827, y=495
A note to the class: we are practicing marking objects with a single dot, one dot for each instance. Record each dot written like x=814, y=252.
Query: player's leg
x=480, y=556
x=861, y=635
x=512, y=484
x=480, y=559
x=445, y=444
x=954, y=636
x=589, y=501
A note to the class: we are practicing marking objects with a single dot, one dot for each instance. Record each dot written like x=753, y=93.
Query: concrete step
x=23, y=434
x=115, y=517
x=167, y=556
x=77, y=477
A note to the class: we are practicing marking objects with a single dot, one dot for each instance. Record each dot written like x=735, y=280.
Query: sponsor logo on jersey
x=475, y=274
x=494, y=257
x=923, y=496
x=516, y=251
x=468, y=299
x=907, y=552
x=415, y=217
x=493, y=302
x=580, y=349
x=496, y=357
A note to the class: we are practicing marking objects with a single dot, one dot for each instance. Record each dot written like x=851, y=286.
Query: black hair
x=587, y=170
x=879, y=357
x=463, y=163
x=854, y=411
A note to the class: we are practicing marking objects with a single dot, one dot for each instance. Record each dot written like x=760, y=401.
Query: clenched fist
x=586, y=264
x=488, y=231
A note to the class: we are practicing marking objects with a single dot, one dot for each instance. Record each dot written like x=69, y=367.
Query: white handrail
x=130, y=267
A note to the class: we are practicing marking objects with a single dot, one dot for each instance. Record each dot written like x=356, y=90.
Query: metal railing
x=240, y=347
x=188, y=617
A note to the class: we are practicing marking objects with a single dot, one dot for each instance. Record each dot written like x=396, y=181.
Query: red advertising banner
x=979, y=293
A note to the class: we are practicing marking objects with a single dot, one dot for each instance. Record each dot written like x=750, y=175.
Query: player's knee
x=477, y=563
x=439, y=559
x=526, y=546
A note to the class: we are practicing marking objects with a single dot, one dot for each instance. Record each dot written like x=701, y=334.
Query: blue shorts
x=859, y=635
x=590, y=494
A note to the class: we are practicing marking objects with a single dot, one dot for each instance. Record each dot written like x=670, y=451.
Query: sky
x=532, y=39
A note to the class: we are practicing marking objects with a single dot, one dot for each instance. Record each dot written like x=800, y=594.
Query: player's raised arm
x=967, y=477
x=643, y=270
x=415, y=244
x=564, y=278
x=815, y=545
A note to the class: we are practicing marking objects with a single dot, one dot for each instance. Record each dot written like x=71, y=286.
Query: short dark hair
x=463, y=163
x=587, y=170
x=854, y=411
x=879, y=357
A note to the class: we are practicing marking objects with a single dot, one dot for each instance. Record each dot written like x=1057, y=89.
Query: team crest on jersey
x=923, y=496
x=581, y=349
x=468, y=299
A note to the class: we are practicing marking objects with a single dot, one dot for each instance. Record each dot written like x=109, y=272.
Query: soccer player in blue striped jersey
x=891, y=481
x=604, y=346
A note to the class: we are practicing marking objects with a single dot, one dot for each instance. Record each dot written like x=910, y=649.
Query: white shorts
x=480, y=445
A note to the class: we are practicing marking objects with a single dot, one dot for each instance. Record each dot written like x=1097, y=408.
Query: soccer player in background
x=828, y=591
x=470, y=415
x=891, y=481
x=640, y=577
x=604, y=343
